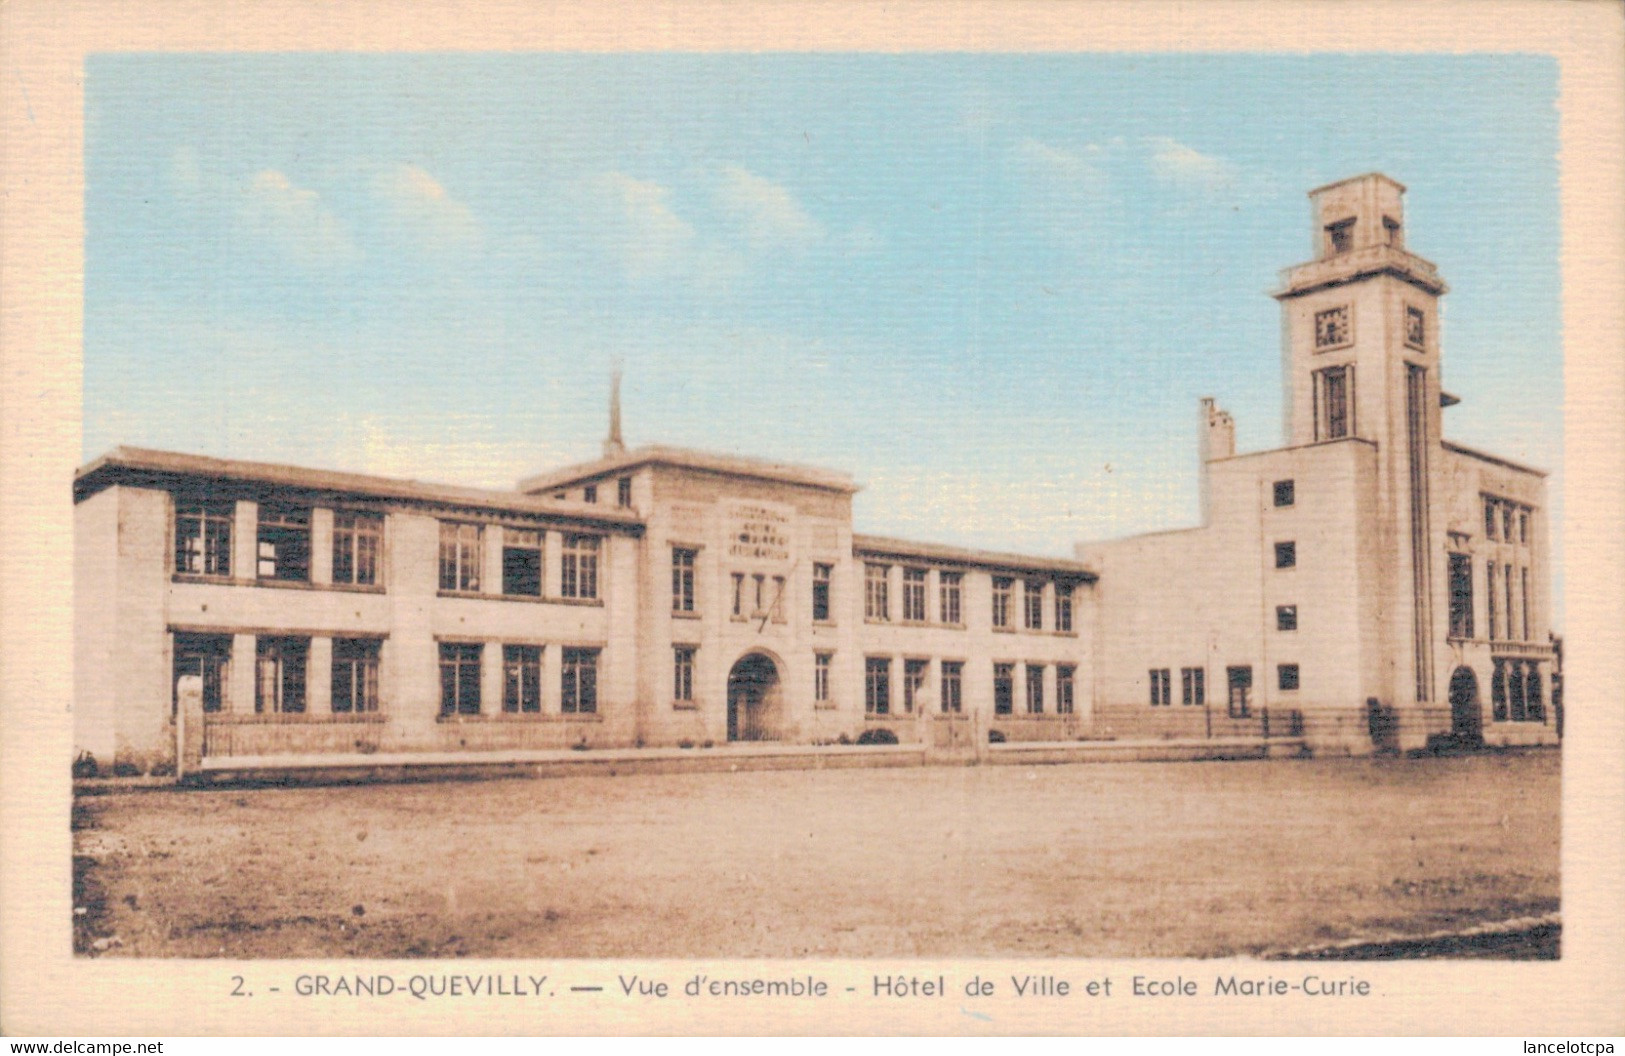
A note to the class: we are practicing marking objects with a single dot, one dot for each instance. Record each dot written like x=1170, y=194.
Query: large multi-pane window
x=522, y=562
x=914, y=675
x=953, y=687
x=579, y=682
x=522, y=679
x=822, y=662
x=1004, y=689
x=876, y=601
x=1035, y=689
x=460, y=678
x=1063, y=607
x=682, y=673
x=877, y=685
x=1161, y=687
x=578, y=576
x=1193, y=687
x=1065, y=689
x=203, y=537
x=1523, y=600
x=461, y=553
x=355, y=675
x=951, y=589
x=208, y=656
x=1241, y=691
x=279, y=674
x=1034, y=596
x=358, y=540
x=682, y=581
x=1461, y=596
x=1334, y=389
x=283, y=544
x=821, y=587
x=1489, y=598
x=914, y=594
x=1506, y=578
x=623, y=492
x=1002, y=586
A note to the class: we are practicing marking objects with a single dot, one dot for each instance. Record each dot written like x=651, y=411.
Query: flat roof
x=1485, y=456
x=1356, y=179
x=686, y=458
x=881, y=546
x=143, y=465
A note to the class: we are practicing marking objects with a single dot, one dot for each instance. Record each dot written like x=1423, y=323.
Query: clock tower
x=1361, y=363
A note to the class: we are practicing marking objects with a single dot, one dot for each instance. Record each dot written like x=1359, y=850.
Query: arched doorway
x=753, y=699
x=1466, y=719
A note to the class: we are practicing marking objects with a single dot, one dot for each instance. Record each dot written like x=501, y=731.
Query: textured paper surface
x=45, y=990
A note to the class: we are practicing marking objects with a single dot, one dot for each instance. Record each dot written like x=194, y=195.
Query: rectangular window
x=1063, y=608
x=203, y=537
x=207, y=656
x=1334, y=403
x=579, y=577
x=953, y=687
x=1416, y=328
x=589, y=493
x=1241, y=689
x=355, y=675
x=739, y=595
x=877, y=685
x=682, y=581
x=578, y=682
x=1461, y=596
x=358, y=541
x=760, y=606
x=279, y=674
x=1506, y=577
x=1489, y=597
x=876, y=603
x=461, y=552
x=1523, y=599
x=914, y=594
x=1286, y=493
x=682, y=673
x=1065, y=689
x=522, y=679
x=1004, y=689
x=460, y=678
x=1498, y=691
x=1536, y=702
x=1491, y=520
x=1161, y=687
x=1286, y=555
x=522, y=562
x=1339, y=237
x=284, y=543
x=1506, y=521
x=1001, y=600
x=950, y=590
x=1035, y=689
x=1523, y=526
x=1286, y=677
x=623, y=492
x=1193, y=687
x=1286, y=617
x=823, y=576
x=822, y=662
x=914, y=672
x=1033, y=595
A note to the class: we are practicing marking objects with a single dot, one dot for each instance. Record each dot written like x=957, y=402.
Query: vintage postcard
x=812, y=518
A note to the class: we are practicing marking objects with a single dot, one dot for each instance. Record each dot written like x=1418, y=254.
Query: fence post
x=188, y=725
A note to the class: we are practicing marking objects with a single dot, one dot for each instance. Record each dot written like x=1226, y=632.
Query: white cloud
x=420, y=206
x=295, y=220
x=770, y=213
x=646, y=231
x=1077, y=172
x=1173, y=162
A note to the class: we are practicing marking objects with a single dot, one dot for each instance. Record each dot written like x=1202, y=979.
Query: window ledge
x=824, y=623
x=518, y=717
x=1004, y=630
x=685, y=705
x=291, y=718
x=477, y=595
x=826, y=705
x=276, y=584
x=678, y=614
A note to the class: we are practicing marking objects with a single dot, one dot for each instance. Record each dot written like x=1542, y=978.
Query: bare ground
x=1097, y=860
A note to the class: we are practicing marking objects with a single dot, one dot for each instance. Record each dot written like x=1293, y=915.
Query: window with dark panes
x=682, y=579
x=1035, y=689
x=953, y=687
x=951, y=590
x=877, y=685
x=579, y=682
x=358, y=542
x=522, y=679
x=821, y=587
x=579, y=572
x=522, y=562
x=279, y=674
x=203, y=536
x=208, y=656
x=1065, y=689
x=460, y=678
x=284, y=543
x=1461, y=596
x=914, y=594
x=1004, y=689
x=461, y=553
x=355, y=675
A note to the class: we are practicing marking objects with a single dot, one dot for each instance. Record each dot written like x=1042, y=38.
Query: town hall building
x=1368, y=586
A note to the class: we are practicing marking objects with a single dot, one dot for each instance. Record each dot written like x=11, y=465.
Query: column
x=491, y=559
x=319, y=677
x=245, y=531
x=321, y=545
x=240, y=688
x=491, y=678
x=552, y=563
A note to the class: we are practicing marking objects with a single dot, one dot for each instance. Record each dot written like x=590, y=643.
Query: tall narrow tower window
x=1340, y=237
x=1334, y=392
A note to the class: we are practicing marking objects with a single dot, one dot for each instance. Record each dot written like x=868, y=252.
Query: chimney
x=612, y=444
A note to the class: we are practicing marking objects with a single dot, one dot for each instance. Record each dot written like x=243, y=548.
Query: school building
x=1368, y=586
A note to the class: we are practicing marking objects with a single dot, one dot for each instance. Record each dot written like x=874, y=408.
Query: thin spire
x=613, y=445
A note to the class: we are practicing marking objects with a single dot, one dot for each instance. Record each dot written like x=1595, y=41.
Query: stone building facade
x=1369, y=585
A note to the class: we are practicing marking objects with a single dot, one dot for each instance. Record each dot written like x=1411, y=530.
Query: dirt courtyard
x=1095, y=860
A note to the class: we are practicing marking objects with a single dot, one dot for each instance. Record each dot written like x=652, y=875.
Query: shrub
x=843, y=739
x=996, y=737
x=126, y=769
x=85, y=765
x=709, y=744
x=880, y=736
x=685, y=743
x=162, y=769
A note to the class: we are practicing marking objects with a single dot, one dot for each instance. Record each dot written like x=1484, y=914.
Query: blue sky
x=992, y=287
